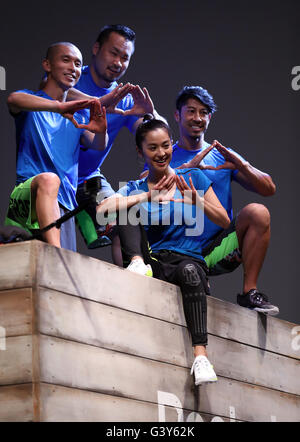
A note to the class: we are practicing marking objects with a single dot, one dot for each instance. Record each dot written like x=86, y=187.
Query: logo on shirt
x=161, y=209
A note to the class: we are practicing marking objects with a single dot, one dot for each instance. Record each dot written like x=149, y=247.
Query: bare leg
x=200, y=350
x=44, y=189
x=253, y=232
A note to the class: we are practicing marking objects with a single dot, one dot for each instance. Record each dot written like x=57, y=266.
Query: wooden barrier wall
x=83, y=340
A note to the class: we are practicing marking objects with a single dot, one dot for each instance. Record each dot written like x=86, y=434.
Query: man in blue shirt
x=225, y=249
x=49, y=133
x=111, y=55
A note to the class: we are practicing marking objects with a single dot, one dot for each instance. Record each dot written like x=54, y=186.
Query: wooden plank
x=16, y=361
x=245, y=363
x=93, y=279
x=89, y=278
x=16, y=265
x=90, y=368
x=113, y=328
x=61, y=404
x=250, y=402
x=243, y=325
x=15, y=311
x=150, y=338
x=16, y=403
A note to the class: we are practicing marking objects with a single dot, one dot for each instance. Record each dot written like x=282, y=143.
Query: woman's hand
x=189, y=193
x=163, y=190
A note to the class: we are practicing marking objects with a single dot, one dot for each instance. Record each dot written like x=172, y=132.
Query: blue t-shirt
x=89, y=160
x=221, y=181
x=48, y=142
x=171, y=225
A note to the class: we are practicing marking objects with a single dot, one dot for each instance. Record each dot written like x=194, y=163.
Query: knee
x=46, y=183
x=191, y=275
x=256, y=215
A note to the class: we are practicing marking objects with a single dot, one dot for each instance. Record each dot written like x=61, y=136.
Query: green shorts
x=223, y=255
x=20, y=212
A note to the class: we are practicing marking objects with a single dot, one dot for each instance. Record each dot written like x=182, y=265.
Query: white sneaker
x=203, y=370
x=138, y=266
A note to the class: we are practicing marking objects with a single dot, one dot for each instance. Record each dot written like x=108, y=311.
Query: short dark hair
x=105, y=32
x=149, y=124
x=197, y=92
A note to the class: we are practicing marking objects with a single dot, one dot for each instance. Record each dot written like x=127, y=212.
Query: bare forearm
x=216, y=214
x=119, y=203
x=95, y=140
x=75, y=94
x=20, y=101
x=100, y=141
x=140, y=120
x=159, y=117
x=255, y=180
x=213, y=209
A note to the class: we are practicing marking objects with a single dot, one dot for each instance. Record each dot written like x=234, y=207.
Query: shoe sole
x=269, y=312
x=149, y=273
x=206, y=382
x=101, y=242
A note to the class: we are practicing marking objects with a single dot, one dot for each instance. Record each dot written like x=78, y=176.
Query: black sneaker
x=102, y=241
x=257, y=301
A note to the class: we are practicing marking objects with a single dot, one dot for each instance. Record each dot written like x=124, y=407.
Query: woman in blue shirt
x=166, y=209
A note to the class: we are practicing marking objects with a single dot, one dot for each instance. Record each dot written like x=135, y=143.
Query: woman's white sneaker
x=203, y=370
x=138, y=266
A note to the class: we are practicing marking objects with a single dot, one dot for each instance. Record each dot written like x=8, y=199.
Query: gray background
x=242, y=52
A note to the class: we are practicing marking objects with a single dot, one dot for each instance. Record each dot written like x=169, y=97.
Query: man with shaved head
x=49, y=131
x=54, y=47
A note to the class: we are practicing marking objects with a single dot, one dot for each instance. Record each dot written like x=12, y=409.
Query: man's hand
x=195, y=162
x=142, y=102
x=111, y=100
x=68, y=108
x=98, y=123
x=232, y=161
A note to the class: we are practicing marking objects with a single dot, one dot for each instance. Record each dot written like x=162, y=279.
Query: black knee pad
x=192, y=275
x=193, y=282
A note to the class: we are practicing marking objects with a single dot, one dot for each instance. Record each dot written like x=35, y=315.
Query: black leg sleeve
x=131, y=241
x=134, y=242
x=192, y=280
